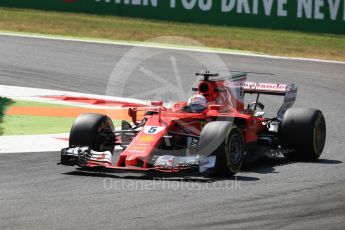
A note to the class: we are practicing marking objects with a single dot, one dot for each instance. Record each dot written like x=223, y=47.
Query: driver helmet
x=197, y=103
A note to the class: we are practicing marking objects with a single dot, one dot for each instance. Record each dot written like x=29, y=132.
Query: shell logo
x=146, y=138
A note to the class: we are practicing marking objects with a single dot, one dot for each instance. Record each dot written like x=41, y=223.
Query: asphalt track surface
x=35, y=193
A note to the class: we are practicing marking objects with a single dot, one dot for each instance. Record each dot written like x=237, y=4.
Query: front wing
x=83, y=156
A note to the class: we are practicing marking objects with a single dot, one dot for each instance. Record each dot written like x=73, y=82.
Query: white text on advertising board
x=306, y=9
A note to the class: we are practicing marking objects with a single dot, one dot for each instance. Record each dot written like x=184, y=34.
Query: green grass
x=24, y=125
x=276, y=42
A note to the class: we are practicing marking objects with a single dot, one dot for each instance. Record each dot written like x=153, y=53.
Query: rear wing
x=240, y=79
x=266, y=88
x=289, y=91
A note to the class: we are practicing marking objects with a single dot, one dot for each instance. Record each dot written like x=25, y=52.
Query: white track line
x=165, y=46
x=35, y=94
x=32, y=143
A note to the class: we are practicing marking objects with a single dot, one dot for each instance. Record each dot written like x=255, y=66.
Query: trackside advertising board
x=324, y=16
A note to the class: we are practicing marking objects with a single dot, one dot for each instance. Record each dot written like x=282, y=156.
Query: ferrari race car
x=215, y=140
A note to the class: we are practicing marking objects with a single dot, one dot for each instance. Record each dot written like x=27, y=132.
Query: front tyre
x=304, y=131
x=93, y=130
x=224, y=141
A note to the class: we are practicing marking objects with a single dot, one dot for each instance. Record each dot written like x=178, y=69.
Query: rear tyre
x=304, y=131
x=224, y=141
x=93, y=130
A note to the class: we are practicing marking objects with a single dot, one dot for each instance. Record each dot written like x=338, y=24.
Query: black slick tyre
x=304, y=131
x=93, y=130
x=224, y=141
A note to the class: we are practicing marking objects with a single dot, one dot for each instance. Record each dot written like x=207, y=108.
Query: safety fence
x=323, y=16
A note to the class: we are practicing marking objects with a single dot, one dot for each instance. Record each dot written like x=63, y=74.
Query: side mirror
x=255, y=105
x=259, y=114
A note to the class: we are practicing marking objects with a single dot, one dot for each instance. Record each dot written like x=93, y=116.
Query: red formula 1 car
x=217, y=139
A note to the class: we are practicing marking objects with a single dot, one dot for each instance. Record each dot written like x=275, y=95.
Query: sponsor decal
x=265, y=86
x=256, y=86
x=135, y=151
x=138, y=147
x=146, y=138
x=153, y=129
x=141, y=144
